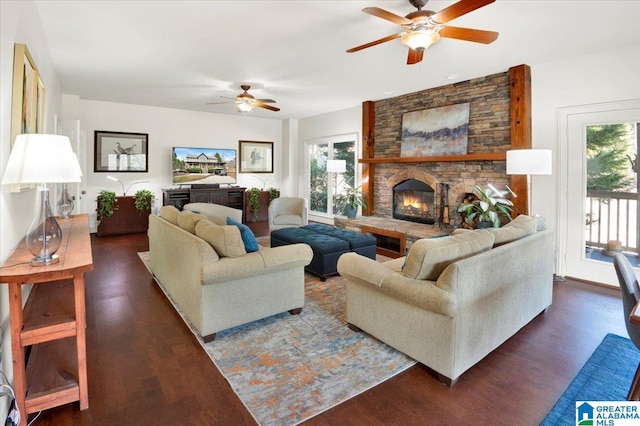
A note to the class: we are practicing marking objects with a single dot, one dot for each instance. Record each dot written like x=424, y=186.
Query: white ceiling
x=183, y=54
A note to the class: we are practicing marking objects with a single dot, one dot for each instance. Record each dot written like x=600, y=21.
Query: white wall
x=19, y=23
x=168, y=128
x=598, y=78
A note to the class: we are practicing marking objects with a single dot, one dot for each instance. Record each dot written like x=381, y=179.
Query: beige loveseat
x=457, y=298
x=203, y=265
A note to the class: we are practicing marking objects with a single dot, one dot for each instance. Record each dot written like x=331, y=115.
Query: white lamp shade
x=41, y=158
x=336, y=166
x=529, y=162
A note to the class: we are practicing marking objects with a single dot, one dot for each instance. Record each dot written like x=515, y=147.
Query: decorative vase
x=65, y=203
x=44, y=235
x=484, y=224
x=351, y=211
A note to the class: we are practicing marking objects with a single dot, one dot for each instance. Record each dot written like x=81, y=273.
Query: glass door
x=325, y=187
x=602, y=193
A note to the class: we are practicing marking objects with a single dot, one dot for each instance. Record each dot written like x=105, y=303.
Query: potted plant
x=259, y=200
x=106, y=202
x=144, y=200
x=487, y=210
x=351, y=199
x=123, y=214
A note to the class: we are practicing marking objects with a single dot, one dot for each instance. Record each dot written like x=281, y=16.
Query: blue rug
x=606, y=376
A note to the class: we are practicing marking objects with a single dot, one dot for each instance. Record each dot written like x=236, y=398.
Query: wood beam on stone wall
x=368, y=145
x=520, y=117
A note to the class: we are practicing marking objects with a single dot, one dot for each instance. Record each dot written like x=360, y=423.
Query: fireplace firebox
x=414, y=200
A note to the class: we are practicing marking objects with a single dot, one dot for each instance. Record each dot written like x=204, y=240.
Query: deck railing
x=612, y=216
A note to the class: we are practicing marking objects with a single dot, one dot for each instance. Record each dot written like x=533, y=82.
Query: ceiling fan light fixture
x=420, y=39
x=244, y=106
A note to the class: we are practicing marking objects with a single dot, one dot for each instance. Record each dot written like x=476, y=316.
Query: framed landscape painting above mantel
x=435, y=131
x=255, y=157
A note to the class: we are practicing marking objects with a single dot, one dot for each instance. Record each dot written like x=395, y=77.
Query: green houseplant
x=487, y=210
x=254, y=200
x=144, y=200
x=351, y=199
x=273, y=194
x=106, y=201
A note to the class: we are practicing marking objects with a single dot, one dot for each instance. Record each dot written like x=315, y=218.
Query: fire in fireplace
x=414, y=200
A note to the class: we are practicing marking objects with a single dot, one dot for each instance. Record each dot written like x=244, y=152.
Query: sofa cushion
x=187, y=220
x=288, y=219
x=428, y=257
x=518, y=228
x=249, y=240
x=169, y=213
x=215, y=212
x=225, y=240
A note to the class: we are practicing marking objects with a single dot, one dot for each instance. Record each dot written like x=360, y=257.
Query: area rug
x=288, y=368
x=606, y=376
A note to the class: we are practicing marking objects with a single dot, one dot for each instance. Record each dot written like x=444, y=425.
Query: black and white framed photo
x=256, y=157
x=120, y=152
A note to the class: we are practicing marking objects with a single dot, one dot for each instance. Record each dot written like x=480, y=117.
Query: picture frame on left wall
x=27, y=99
x=120, y=152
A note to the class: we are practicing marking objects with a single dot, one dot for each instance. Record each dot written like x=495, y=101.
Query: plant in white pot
x=487, y=210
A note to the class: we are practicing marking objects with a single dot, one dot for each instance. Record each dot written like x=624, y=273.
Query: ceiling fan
x=422, y=28
x=245, y=101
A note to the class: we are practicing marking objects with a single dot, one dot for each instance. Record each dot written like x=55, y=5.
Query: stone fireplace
x=414, y=201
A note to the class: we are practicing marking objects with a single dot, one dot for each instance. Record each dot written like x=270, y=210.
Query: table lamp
x=335, y=167
x=41, y=159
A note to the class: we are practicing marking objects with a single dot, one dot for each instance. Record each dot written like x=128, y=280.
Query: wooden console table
x=55, y=372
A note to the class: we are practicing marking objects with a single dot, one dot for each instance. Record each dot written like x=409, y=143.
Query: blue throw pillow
x=249, y=240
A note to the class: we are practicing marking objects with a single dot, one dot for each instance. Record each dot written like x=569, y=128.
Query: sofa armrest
x=421, y=293
x=362, y=269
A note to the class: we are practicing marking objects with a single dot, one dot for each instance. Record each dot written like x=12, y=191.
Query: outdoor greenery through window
x=324, y=187
x=612, y=186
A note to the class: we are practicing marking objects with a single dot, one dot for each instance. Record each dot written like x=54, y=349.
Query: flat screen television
x=203, y=166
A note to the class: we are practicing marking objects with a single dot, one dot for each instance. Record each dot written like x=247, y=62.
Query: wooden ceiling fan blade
x=458, y=9
x=415, y=56
x=218, y=103
x=391, y=17
x=265, y=106
x=373, y=43
x=469, y=34
x=266, y=101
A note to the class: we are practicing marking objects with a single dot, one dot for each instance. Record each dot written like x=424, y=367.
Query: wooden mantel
x=520, y=123
x=492, y=156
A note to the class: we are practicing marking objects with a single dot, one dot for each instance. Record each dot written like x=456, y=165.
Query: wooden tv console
x=230, y=196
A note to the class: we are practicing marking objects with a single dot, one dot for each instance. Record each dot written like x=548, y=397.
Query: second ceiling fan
x=422, y=28
x=245, y=101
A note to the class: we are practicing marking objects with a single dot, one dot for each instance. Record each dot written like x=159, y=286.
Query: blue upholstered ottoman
x=328, y=244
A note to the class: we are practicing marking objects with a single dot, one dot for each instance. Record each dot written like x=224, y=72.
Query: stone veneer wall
x=489, y=131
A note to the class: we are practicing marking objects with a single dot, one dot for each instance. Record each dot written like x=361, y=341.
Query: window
x=324, y=187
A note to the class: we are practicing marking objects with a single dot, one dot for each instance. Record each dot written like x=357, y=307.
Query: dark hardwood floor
x=145, y=367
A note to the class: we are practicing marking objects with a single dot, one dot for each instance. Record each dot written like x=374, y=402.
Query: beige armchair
x=287, y=212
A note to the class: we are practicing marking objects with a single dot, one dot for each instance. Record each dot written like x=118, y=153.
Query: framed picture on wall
x=28, y=96
x=120, y=152
x=255, y=157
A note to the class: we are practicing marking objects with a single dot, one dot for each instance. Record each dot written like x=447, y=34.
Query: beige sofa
x=455, y=299
x=205, y=269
